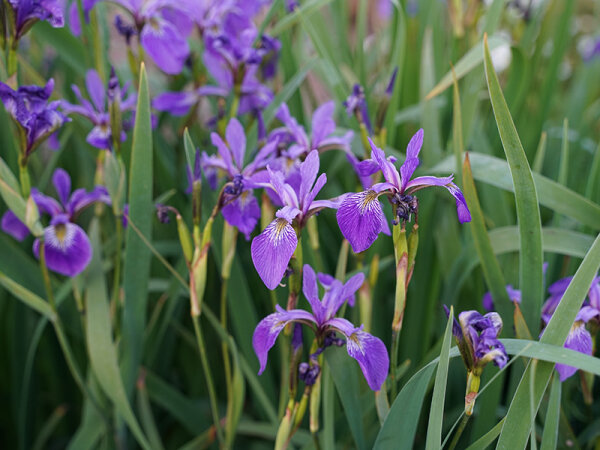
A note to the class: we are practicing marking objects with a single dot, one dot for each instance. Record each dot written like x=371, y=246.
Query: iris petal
x=360, y=219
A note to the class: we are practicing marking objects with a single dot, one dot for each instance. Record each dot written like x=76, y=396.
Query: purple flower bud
x=125, y=29
x=308, y=374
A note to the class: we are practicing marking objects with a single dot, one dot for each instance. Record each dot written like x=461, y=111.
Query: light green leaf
x=136, y=268
x=27, y=297
x=550, y=436
x=11, y=194
x=436, y=413
x=101, y=349
x=528, y=212
x=487, y=439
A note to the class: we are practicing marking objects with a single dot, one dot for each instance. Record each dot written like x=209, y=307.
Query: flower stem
x=24, y=178
x=459, y=432
x=117, y=267
x=208, y=375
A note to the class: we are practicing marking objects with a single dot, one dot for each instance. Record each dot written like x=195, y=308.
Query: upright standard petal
x=360, y=219
x=308, y=174
x=268, y=329
x=62, y=184
x=412, y=158
x=579, y=339
x=368, y=350
x=272, y=250
x=67, y=248
x=322, y=123
x=311, y=292
x=236, y=140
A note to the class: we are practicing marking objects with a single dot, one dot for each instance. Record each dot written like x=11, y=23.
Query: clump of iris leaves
x=134, y=316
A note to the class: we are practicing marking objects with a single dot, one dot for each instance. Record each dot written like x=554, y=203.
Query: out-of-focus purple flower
x=163, y=27
x=368, y=350
x=356, y=105
x=74, y=22
x=28, y=12
x=360, y=217
x=67, y=248
x=580, y=340
x=29, y=107
x=97, y=111
x=268, y=51
x=274, y=247
x=242, y=209
x=591, y=49
x=322, y=129
x=513, y=294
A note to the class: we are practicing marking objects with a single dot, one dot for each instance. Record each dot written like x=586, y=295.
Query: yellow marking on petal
x=368, y=198
x=60, y=231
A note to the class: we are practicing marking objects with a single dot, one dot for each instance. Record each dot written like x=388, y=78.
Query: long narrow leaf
x=137, y=255
x=528, y=212
x=436, y=413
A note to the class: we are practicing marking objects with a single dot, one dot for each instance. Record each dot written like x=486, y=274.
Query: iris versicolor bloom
x=360, y=216
x=97, y=111
x=513, y=294
x=163, y=27
x=74, y=22
x=368, y=350
x=243, y=211
x=29, y=107
x=356, y=104
x=28, y=12
x=66, y=246
x=579, y=338
x=274, y=247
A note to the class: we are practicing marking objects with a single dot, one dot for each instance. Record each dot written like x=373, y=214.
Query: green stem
x=12, y=62
x=459, y=431
x=209, y=380
x=24, y=178
x=234, y=104
x=46, y=275
x=225, y=350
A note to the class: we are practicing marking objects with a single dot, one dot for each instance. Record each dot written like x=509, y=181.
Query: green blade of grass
x=528, y=212
x=436, y=413
x=550, y=436
x=403, y=418
x=26, y=296
x=306, y=10
x=101, y=348
x=136, y=268
x=487, y=439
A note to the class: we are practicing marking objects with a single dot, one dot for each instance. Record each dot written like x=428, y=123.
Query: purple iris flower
x=66, y=246
x=273, y=248
x=513, y=294
x=97, y=111
x=579, y=338
x=368, y=350
x=29, y=107
x=360, y=217
x=477, y=339
x=243, y=211
x=163, y=27
x=28, y=12
x=356, y=104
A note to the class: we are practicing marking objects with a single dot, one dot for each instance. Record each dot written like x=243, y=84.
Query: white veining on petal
x=60, y=236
